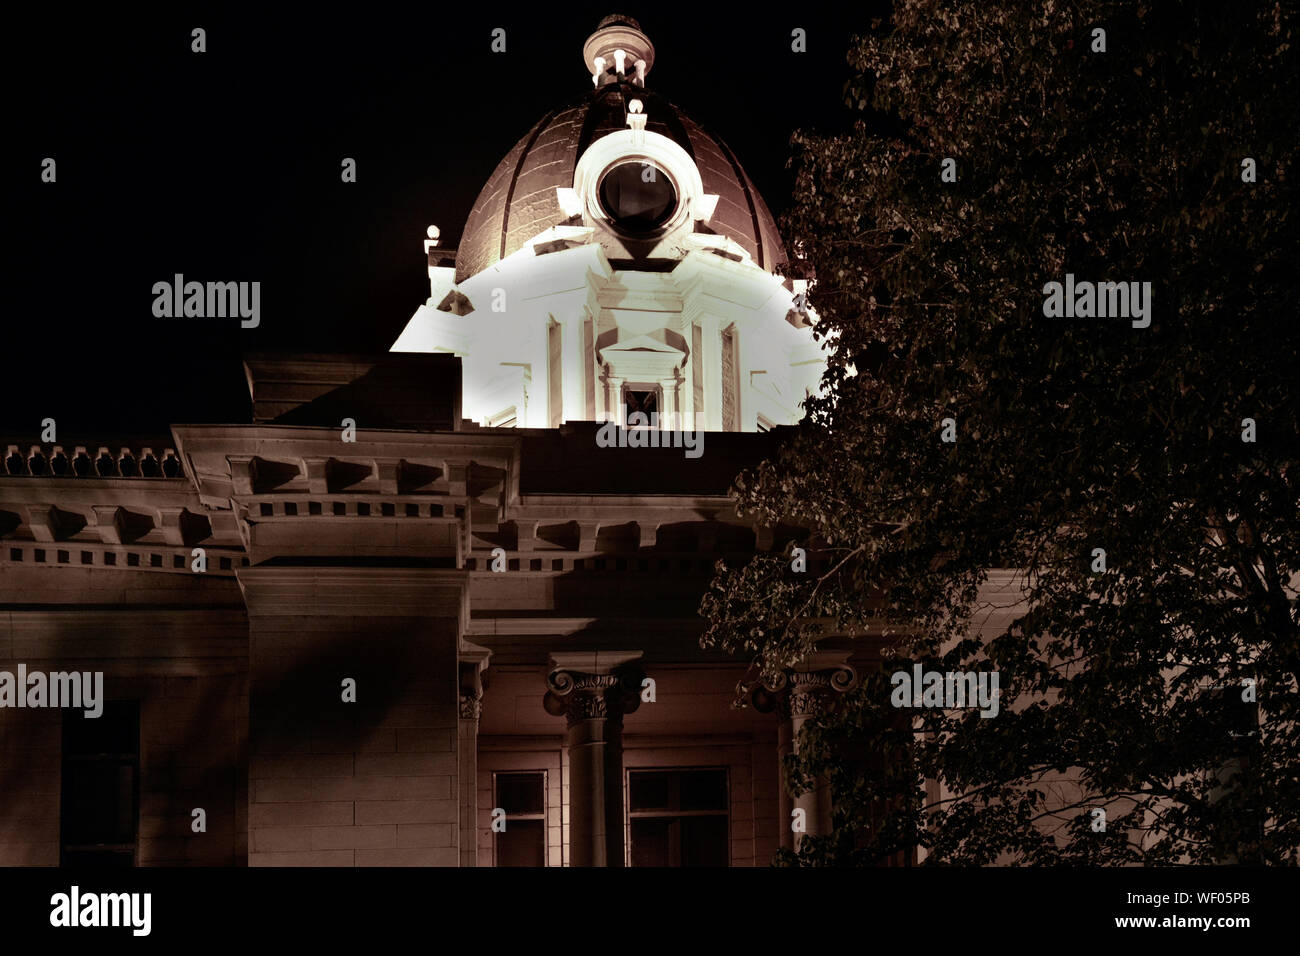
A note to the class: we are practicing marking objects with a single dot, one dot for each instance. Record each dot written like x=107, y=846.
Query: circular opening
x=637, y=196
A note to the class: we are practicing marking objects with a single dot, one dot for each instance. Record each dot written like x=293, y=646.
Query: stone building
x=418, y=612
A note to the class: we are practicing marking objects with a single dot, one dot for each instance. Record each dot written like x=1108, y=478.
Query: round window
x=639, y=197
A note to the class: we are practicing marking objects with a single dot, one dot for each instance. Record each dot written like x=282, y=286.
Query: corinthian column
x=799, y=695
x=593, y=690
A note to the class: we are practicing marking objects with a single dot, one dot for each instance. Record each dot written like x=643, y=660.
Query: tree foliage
x=1073, y=434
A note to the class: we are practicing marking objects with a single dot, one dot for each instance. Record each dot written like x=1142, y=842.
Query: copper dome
x=519, y=200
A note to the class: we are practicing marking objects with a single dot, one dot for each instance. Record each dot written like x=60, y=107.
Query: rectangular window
x=646, y=399
x=678, y=817
x=101, y=786
x=523, y=797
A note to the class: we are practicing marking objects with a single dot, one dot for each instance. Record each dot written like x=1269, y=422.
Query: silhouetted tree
x=1172, y=447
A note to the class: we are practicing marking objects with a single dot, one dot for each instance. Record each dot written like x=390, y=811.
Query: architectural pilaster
x=668, y=418
x=473, y=661
x=711, y=357
x=574, y=363
x=614, y=399
x=352, y=676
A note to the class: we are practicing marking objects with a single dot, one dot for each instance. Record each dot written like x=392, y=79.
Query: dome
x=520, y=201
x=620, y=267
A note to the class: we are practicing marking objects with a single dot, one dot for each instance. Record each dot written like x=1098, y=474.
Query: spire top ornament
x=618, y=43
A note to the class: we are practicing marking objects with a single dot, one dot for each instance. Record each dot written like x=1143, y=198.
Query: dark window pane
x=643, y=400
x=704, y=790
x=690, y=826
x=98, y=803
x=520, y=793
x=522, y=844
x=704, y=841
x=652, y=842
x=637, y=196
x=648, y=791
x=99, y=785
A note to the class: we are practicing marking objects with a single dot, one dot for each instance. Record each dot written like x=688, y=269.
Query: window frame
x=674, y=773
x=662, y=174
x=652, y=387
x=496, y=802
x=106, y=759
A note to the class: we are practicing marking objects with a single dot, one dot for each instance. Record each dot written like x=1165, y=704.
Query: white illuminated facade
x=620, y=260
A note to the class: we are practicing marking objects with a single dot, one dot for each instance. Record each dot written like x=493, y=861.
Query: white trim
x=657, y=150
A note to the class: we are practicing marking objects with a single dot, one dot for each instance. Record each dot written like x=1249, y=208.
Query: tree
x=1172, y=447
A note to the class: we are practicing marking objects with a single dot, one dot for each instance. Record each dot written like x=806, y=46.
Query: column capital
x=804, y=689
x=593, y=685
x=473, y=661
x=471, y=705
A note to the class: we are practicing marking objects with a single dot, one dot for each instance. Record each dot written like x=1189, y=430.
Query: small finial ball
x=635, y=106
x=433, y=232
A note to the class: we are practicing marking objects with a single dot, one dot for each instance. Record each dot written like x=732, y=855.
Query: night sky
x=225, y=166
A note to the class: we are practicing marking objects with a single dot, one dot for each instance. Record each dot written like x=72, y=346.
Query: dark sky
x=224, y=166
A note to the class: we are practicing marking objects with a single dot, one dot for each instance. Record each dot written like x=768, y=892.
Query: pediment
x=640, y=343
